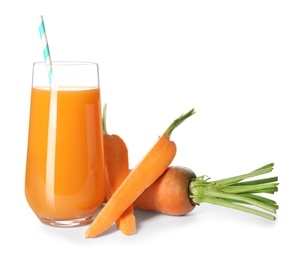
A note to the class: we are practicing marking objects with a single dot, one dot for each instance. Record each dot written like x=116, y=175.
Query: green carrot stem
x=261, y=181
x=229, y=181
x=223, y=195
x=262, y=199
x=238, y=194
x=228, y=204
x=250, y=188
x=178, y=121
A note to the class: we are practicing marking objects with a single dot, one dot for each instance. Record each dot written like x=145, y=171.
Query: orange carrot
x=169, y=194
x=177, y=191
x=117, y=166
x=151, y=166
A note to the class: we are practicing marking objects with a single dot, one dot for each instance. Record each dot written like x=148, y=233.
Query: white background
x=235, y=62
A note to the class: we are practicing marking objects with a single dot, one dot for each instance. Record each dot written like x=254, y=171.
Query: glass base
x=66, y=223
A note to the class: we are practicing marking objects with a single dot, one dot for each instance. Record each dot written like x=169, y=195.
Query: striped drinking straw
x=45, y=46
x=50, y=167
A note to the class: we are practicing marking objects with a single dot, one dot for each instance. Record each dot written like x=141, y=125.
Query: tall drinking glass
x=65, y=177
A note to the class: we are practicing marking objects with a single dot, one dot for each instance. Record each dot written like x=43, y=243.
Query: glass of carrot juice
x=65, y=177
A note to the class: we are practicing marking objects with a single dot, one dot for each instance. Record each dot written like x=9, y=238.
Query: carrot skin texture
x=117, y=165
x=169, y=194
x=142, y=176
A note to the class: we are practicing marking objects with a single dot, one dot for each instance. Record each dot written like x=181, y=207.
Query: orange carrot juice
x=77, y=187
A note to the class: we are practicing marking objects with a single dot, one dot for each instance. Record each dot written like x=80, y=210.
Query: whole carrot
x=177, y=191
x=117, y=169
x=153, y=164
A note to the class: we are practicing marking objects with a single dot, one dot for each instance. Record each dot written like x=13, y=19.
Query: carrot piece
x=117, y=166
x=177, y=191
x=151, y=166
x=169, y=194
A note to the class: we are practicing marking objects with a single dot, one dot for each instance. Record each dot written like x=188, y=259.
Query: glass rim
x=66, y=63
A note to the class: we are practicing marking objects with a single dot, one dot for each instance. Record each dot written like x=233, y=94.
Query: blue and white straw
x=45, y=47
x=50, y=167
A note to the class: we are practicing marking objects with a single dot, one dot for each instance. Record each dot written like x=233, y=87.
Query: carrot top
x=235, y=193
x=178, y=121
